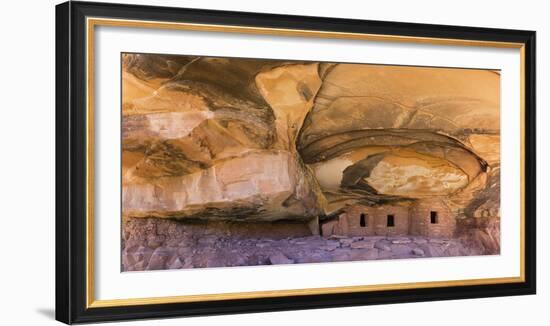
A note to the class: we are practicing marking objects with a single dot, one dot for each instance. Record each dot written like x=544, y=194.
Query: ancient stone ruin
x=430, y=218
x=229, y=162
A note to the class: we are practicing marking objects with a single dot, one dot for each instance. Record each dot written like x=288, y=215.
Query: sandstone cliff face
x=230, y=162
x=215, y=140
x=379, y=133
x=219, y=138
x=263, y=185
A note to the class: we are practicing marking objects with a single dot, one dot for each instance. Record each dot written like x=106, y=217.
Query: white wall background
x=27, y=161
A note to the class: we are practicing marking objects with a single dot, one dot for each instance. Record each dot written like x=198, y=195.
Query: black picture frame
x=71, y=157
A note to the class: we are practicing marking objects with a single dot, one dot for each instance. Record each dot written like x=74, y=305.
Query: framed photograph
x=213, y=162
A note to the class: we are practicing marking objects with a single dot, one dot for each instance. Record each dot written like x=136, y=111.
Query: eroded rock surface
x=264, y=185
x=399, y=132
x=150, y=244
x=224, y=140
x=207, y=146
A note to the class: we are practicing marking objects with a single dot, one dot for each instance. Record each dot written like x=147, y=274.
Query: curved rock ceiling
x=415, y=175
x=359, y=97
x=403, y=132
x=264, y=139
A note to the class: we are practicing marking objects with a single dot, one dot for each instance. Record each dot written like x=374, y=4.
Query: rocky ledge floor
x=176, y=250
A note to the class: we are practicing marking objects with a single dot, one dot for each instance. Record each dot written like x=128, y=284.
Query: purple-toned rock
x=364, y=254
x=420, y=240
x=418, y=252
x=363, y=244
x=330, y=245
x=280, y=258
x=136, y=255
x=158, y=259
x=401, y=241
x=346, y=242
x=382, y=245
x=176, y=264
x=400, y=250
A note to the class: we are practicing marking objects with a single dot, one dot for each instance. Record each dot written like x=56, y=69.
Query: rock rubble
x=167, y=244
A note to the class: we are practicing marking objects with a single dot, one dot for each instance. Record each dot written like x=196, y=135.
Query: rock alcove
x=256, y=156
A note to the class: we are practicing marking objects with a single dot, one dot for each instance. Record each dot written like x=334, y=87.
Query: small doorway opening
x=363, y=220
x=391, y=220
x=433, y=217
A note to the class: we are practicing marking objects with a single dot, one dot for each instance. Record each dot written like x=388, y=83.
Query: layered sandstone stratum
x=268, y=145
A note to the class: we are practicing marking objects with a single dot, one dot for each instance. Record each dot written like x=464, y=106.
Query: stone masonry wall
x=421, y=220
x=401, y=220
x=375, y=218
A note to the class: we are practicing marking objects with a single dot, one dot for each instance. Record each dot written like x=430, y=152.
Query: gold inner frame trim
x=91, y=22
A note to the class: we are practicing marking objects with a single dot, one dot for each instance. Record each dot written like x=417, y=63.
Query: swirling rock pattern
x=402, y=131
x=216, y=141
x=254, y=140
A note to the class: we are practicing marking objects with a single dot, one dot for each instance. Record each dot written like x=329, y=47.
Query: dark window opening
x=363, y=220
x=433, y=217
x=391, y=220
